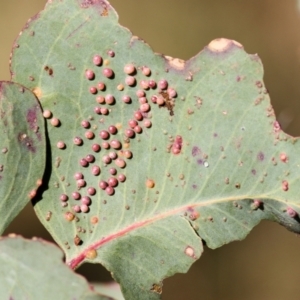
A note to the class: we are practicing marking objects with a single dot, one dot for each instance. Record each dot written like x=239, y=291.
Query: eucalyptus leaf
x=33, y=269
x=111, y=289
x=22, y=146
x=167, y=152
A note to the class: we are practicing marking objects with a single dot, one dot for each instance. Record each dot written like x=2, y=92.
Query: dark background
x=266, y=265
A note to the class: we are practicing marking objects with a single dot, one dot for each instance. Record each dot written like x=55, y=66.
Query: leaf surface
x=22, y=144
x=112, y=289
x=33, y=269
x=205, y=159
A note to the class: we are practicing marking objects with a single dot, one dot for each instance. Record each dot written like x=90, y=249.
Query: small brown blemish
x=94, y=220
x=77, y=240
x=48, y=70
x=169, y=103
x=156, y=288
x=57, y=162
x=189, y=77
x=194, y=215
x=48, y=215
x=238, y=185
x=259, y=84
x=71, y=67
x=104, y=12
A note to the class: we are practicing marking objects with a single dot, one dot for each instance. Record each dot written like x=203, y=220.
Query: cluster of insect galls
x=164, y=97
x=116, y=150
x=114, y=160
x=176, y=145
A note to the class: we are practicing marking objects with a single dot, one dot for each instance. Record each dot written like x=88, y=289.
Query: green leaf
x=209, y=163
x=22, y=146
x=111, y=289
x=33, y=269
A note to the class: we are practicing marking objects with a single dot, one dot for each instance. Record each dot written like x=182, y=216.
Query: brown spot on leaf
x=48, y=215
x=104, y=13
x=194, y=215
x=169, y=103
x=94, y=220
x=48, y=70
x=156, y=288
x=77, y=240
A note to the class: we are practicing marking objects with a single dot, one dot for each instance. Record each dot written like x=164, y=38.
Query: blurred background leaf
x=23, y=149
x=39, y=276
x=108, y=289
x=266, y=264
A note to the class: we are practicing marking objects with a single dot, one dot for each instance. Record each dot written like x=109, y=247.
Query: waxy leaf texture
x=39, y=276
x=23, y=149
x=151, y=155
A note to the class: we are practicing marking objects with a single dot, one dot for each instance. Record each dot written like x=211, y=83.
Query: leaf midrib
x=79, y=258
